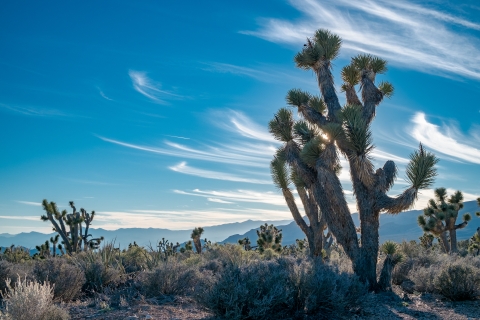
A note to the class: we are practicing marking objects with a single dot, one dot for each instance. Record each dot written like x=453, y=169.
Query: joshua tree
x=75, y=236
x=188, y=247
x=245, y=242
x=314, y=231
x=440, y=216
x=196, y=234
x=167, y=248
x=474, y=247
x=389, y=248
x=269, y=237
x=43, y=251
x=346, y=131
x=54, y=241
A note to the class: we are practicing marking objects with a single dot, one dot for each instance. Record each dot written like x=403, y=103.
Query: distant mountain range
x=398, y=227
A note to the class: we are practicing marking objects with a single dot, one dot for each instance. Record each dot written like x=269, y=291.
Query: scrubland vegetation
x=328, y=274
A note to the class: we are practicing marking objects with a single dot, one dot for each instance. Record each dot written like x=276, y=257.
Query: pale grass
x=28, y=300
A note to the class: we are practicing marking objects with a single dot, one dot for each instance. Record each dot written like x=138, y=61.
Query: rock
x=147, y=316
x=130, y=318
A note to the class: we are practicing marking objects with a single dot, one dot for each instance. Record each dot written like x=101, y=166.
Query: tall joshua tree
x=440, y=218
x=196, y=234
x=314, y=231
x=346, y=131
x=75, y=236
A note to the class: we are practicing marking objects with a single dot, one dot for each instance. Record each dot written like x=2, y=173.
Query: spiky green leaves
x=386, y=88
x=324, y=46
x=371, y=63
x=350, y=75
x=300, y=99
x=297, y=97
x=281, y=126
x=279, y=172
x=421, y=171
x=356, y=129
x=312, y=151
x=304, y=132
x=467, y=217
x=389, y=247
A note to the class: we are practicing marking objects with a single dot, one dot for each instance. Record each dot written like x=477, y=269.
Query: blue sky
x=155, y=114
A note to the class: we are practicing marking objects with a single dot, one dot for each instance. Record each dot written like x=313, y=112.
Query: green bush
x=169, y=278
x=68, y=279
x=458, y=281
x=99, y=272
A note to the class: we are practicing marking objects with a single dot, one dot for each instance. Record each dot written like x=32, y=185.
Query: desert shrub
x=9, y=270
x=326, y=291
x=169, y=278
x=424, y=277
x=67, y=278
x=256, y=290
x=56, y=313
x=281, y=288
x=31, y=300
x=458, y=281
x=134, y=259
x=98, y=271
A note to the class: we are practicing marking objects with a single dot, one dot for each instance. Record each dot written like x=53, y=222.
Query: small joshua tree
x=269, y=237
x=54, y=241
x=167, y=248
x=389, y=248
x=43, y=251
x=75, y=236
x=188, y=247
x=440, y=216
x=245, y=242
x=196, y=234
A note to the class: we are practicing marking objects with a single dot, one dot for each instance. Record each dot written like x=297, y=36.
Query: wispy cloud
x=30, y=203
x=182, y=167
x=402, y=32
x=149, y=88
x=178, y=137
x=239, y=196
x=104, y=95
x=254, y=151
x=34, y=111
x=445, y=140
x=31, y=218
x=218, y=200
x=184, y=219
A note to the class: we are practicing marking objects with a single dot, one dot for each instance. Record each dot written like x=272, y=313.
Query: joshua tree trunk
x=385, y=281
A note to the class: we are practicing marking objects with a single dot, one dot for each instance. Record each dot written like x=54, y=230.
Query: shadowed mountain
x=397, y=227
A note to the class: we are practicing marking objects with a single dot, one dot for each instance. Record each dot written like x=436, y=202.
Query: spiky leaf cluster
x=281, y=126
x=421, y=171
x=323, y=47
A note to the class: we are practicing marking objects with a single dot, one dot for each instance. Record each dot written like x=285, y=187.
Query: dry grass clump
x=68, y=279
x=29, y=300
